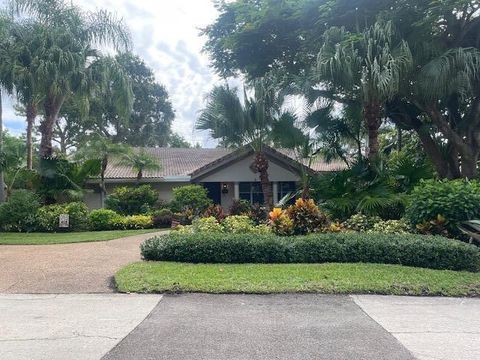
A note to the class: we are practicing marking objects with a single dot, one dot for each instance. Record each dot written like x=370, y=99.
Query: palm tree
x=140, y=161
x=251, y=123
x=67, y=36
x=370, y=67
x=6, y=83
x=100, y=148
x=26, y=44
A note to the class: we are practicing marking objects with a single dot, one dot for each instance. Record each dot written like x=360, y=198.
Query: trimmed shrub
x=411, y=250
x=193, y=197
x=132, y=200
x=162, y=218
x=19, y=212
x=454, y=200
x=48, y=216
x=103, y=219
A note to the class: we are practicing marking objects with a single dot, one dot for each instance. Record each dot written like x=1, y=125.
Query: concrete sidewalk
x=51, y=327
x=431, y=328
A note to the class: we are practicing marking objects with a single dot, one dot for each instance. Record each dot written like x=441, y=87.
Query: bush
x=258, y=213
x=216, y=211
x=208, y=224
x=132, y=222
x=280, y=222
x=103, y=219
x=240, y=207
x=132, y=200
x=238, y=224
x=360, y=222
x=411, y=250
x=193, y=197
x=19, y=212
x=306, y=217
x=48, y=216
x=391, y=227
x=454, y=200
x=162, y=218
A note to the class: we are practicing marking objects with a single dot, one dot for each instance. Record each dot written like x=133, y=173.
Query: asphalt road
x=200, y=326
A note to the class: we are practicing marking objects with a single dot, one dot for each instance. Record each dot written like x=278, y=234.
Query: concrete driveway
x=66, y=268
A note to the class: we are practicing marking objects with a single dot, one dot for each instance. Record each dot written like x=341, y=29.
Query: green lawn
x=64, y=238
x=331, y=278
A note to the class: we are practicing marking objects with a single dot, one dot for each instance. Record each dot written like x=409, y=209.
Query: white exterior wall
x=240, y=171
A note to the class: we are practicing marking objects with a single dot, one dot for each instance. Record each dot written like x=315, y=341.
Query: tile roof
x=183, y=162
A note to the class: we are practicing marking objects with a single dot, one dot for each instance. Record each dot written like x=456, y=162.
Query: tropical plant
x=19, y=212
x=67, y=33
x=62, y=180
x=364, y=188
x=251, y=123
x=371, y=64
x=140, y=161
x=100, y=148
x=446, y=203
x=306, y=217
x=6, y=84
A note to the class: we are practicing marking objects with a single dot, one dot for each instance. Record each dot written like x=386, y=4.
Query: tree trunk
x=102, y=176
x=399, y=139
x=2, y=182
x=260, y=164
x=31, y=115
x=469, y=166
x=373, y=120
x=139, y=176
x=52, y=108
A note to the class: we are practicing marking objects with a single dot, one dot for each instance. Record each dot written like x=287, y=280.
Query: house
x=224, y=172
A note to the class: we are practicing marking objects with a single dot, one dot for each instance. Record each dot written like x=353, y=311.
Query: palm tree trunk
x=139, y=176
x=52, y=109
x=102, y=176
x=31, y=115
x=2, y=182
x=373, y=120
x=261, y=166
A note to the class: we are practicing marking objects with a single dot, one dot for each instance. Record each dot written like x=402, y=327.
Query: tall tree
x=251, y=123
x=6, y=84
x=372, y=63
x=149, y=123
x=68, y=36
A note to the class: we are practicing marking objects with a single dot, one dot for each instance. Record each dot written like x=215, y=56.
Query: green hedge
x=412, y=250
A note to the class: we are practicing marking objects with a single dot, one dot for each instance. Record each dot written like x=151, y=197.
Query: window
x=251, y=191
x=285, y=188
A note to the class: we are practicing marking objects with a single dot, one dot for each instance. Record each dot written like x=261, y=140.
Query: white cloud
x=166, y=35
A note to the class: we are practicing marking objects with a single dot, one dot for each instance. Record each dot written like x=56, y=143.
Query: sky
x=166, y=35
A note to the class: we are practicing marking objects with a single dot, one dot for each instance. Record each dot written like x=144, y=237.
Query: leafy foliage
x=360, y=222
x=410, y=249
x=162, y=218
x=19, y=212
x=306, y=217
x=132, y=200
x=454, y=201
x=48, y=216
x=194, y=197
x=103, y=219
